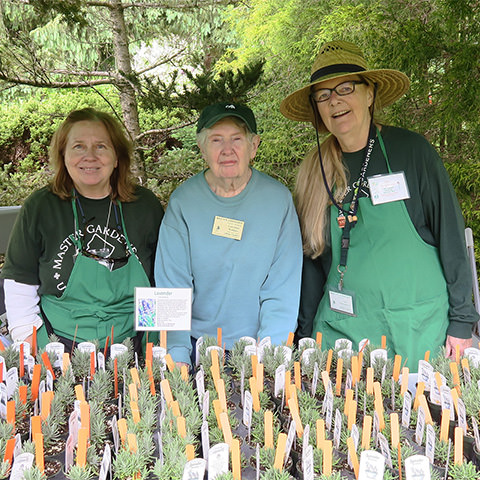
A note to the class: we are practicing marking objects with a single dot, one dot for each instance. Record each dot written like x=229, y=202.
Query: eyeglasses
x=108, y=260
x=342, y=89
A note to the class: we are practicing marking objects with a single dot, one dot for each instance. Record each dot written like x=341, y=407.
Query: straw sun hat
x=340, y=59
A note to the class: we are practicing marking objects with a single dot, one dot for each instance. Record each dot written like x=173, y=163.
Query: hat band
x=337, y=68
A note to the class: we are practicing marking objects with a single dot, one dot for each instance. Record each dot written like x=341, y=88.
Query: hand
x=29, y=339
x=451, y=345
x=181, y=364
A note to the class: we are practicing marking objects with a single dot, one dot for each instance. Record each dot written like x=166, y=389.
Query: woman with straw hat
x=382, y=230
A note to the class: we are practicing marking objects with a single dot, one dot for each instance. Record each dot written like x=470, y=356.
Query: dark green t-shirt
x=41, y=251
x=434, y=211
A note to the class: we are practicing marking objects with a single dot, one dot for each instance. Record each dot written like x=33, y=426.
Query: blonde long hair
x=311, y=196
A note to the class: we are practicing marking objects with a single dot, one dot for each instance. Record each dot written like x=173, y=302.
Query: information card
x=163, y=308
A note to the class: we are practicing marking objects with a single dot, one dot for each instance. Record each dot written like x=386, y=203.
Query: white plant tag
x=217, y=460
x=101, y=361
x=11, y=381
x=307, y=463
x=417, y=466
x=435, y=396
x=372, y=465
x=425, y=372
x=473, y=355
x=407, y=409
x=198, y=344
x=328, y=409
x=194, y=469
x=118, y=349
x=22, y=462
x=200, y=383
x=205, y=405
x=337, y=429
x=345, y=353
x=69, y=449
x=262, y=345
x=306, y=357
x=475, y=433
x=305, y=441
x=462, y=415
x=447, y=401
x=88, y=347
x=205, y=439
x=420, y=425
x=292, y=432
x=106, y=462
x=3, y=401
x=49, y=381
x=247, y=408
x=385, y=449
x=249, y=340
x=316, y=374
x=58, y=349
x=279, y=379
x=115, y=434
x=430, y=444
x=17, y=450
x=306, y=342
x=378, y=354
x=343, y=343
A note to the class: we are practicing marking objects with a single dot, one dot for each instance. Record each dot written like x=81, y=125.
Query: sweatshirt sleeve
x=445, y=221
x=173, y=270
x=279, y=294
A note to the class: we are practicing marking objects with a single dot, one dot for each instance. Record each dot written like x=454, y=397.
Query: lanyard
x=351, y=215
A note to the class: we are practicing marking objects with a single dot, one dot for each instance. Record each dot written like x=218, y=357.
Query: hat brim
x=223, y=115
x=391, y=85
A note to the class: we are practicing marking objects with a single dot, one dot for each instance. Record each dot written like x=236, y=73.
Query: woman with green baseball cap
x=231, y=234
x=382, y=230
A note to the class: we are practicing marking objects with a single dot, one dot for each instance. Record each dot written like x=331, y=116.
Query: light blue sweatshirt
x=247, y=287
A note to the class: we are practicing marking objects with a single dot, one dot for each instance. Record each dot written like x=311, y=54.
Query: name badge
x=228, y=228
x=388, y=188
x=342, y=302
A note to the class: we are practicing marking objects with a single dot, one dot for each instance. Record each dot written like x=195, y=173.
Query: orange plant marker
x=353, y=455
x=290, y=339
x=259, y=377
x=348, y=399
x=92, y=364
x=219, y=337
x=37, y=369
x=254, y=363
x=23, y=393
x=39, y=458
x=329, y=361
x=82, y=447
x=175, y=406
x=420, y=390
x=254, y=392
x=268, y=434
x=65, y=363
x=352, y=414
x=181, y=426
x=22, y=362
x=395, y=430
x=163, y=339
x=397, y=363
x=135, y=377
x=85, y=416
x=48, y=365
x=190, y=452
x=370, y=372
x=170, y=363
x=226, y=429
x=423, y=402
x=318, y=339
x=293, y=406
x=404, y=386
x=444, y=426
x=184, y=373
x=132, y=443
x=132, y=389
x=217, y=408
x=122, y=429
x=79, y=393
x=355, y=370
x=47, y=398
x=280, y=451
x=320, y=424
x=427, y=356
x=11, y=414
x=458, y=450
x=167, y=392
x=297, y=375
x=384, y=343
x=338, y=378
x=327, y=457
x=34, y=342
x=236, y=465
x=366, y=431
x=9, y=448
x=115, y=374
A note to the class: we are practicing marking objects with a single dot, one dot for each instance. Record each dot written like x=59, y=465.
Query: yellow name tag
x=228, y=227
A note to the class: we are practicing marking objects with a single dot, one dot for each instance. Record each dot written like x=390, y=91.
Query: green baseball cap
x=213, y=113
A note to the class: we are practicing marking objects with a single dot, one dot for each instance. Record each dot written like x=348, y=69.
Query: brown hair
x=121, y=180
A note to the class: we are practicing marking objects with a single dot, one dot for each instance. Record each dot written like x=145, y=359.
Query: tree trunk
x=128, y=99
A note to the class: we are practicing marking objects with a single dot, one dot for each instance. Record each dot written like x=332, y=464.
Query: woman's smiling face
x=347, y=117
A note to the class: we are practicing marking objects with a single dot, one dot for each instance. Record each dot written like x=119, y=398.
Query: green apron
x=398, y=283
x=95, y=298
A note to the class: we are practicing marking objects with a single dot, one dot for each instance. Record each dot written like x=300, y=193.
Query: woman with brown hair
x=382, y=230
x=82, y=244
